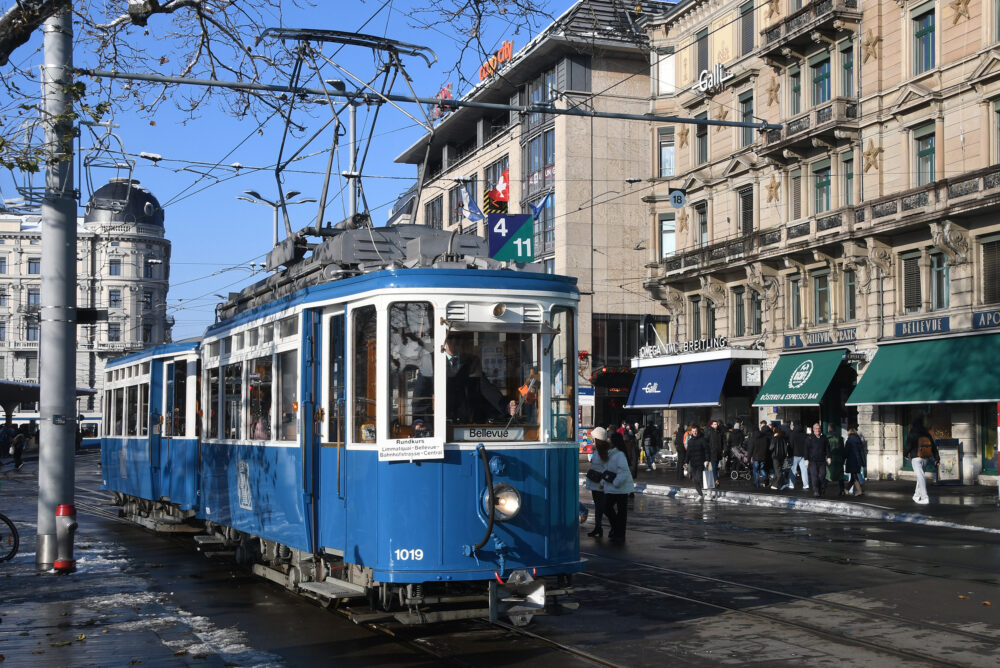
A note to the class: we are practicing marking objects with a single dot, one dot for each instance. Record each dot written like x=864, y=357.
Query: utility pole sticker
x=512, y=237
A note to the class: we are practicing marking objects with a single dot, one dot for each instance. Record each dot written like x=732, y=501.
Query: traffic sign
x=512, y=236
x=677, y=198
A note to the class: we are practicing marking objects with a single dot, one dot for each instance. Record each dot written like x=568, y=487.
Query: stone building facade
x=588, y=172
x=123, y=263
x=863, y=231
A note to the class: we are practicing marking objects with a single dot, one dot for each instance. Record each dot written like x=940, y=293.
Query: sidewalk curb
x=812, y=505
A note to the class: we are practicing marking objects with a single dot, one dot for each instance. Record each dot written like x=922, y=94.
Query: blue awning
x=653, y=386
x=700, y=383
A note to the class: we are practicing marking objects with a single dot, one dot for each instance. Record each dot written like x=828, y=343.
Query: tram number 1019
x=409, y=555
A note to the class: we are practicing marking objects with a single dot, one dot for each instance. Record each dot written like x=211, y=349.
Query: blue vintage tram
x=393, y=416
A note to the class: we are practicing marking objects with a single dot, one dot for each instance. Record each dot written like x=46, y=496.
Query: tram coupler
x=65, y=529
x=520, y=598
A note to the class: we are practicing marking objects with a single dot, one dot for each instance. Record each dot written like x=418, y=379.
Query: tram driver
x=472, y=398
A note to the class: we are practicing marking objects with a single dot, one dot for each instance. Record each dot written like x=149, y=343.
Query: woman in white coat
x=617, y=487
x=598, y=464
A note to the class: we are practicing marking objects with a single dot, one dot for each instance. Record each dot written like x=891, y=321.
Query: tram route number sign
x=512, y=236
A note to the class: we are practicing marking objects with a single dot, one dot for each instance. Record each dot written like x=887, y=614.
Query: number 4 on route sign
x=511, y=237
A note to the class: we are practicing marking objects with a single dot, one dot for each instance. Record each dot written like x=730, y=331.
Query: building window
x=709, y=319
x=847, y=68
x=668, y=235
x=821, y=177
x=795, y=187
x=147, y=299
x=991, y=272
x=923, y=41
x=794, y=91
x=540, y=91
x=147, y=333
x=147, y=269
x=821, y=299
x=821, y=80
x=455, y=199
x=696, y=318
x=665, y=83
x=850, y=294
x=746, y=210
x=550, y=266
x=114, y=298
x=701, y=139
x=848, y=171
x=32, y=331
x=923, y=138
x=795, y=302
x=667, y=165
x=3, y=264
x=746, y=116
x=34, y=265
x=701, y=39
x=434, y=213
x=493, y=174
x=701, y=220
x=756, y=313
x=940, y=282
x=739, y=313
x=114, y=331
x=615, y=339
x=115, y=267
x=746, y=28
x=540, y=162
x=3, y=299
x=3, y=331
x=34, y=297
x=911, y=284
x=545, y=226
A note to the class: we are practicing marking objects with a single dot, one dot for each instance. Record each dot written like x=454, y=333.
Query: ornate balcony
x=801, y=30
x=826, y=125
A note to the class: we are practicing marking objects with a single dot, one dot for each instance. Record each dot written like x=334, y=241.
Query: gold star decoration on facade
x=870, y=45
x=960, y=8
x=682, y=221
x=772, y=92
x=774, y=189
x=772, y=8
x=682, y=137
x=871, y=155
x=721, y=115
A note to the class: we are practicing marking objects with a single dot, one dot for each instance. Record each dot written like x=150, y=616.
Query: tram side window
x=335, y=411
x=561, y=375
x=176, y=418
x=232, y=399
x=259, y=399
x=119, y=411
x=132, y=401
x=143, y=409
x=107, y=413
x=411, y=370
x=364, y=373
x=213, y=403
x=288, y=394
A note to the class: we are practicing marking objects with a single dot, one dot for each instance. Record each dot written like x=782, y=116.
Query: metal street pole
x=57, y=346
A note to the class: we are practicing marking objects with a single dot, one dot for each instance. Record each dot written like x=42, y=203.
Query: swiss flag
x=501, y=193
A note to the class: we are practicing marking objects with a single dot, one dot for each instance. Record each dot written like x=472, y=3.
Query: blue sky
x=216, y=237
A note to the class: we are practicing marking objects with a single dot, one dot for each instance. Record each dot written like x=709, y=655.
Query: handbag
x=594, y=475
x=610, y=476
x=925, y=447
x=708, y=478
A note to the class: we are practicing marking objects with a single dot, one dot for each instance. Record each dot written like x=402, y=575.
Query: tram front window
x=492, y=386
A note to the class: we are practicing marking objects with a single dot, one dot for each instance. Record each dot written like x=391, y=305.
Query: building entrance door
x=988, y=438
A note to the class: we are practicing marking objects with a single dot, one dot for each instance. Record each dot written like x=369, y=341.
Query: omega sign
x=647, y=352
x=710, y=81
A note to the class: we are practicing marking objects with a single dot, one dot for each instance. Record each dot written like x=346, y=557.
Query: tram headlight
x=508, y=501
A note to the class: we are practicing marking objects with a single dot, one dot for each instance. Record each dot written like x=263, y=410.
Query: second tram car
x=402, y=428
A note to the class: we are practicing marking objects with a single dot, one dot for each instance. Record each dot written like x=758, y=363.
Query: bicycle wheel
x=9, y=540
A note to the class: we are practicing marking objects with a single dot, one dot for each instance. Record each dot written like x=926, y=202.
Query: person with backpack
x=780, y=459
x=852, y=462
x=920, y=451
x=649, y=438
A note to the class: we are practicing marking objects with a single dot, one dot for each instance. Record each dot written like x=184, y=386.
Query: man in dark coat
x=798, y=441
x=19, y=443
x=697, y=457
x=818, y=456
x=760, y=446
x=650, y=440
x=714, y=448
x=681, y=452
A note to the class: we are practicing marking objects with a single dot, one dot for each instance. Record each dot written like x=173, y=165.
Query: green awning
x=962, y=369
x=800, y=379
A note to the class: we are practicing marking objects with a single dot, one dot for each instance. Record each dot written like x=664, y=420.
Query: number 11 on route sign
x=511, y=237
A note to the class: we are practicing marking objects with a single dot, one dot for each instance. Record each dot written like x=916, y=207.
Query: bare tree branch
x=22, y=20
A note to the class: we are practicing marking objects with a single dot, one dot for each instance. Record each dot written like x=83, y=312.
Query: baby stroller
x=738, y=463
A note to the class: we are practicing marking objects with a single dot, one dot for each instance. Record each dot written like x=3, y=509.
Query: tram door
x=333, y=455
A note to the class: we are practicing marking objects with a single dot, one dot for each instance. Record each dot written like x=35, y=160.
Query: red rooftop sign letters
x=490, y=67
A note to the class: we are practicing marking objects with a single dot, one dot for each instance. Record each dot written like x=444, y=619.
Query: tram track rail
x=907, y=625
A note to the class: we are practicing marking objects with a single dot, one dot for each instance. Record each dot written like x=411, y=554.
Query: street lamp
x=255, y=198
